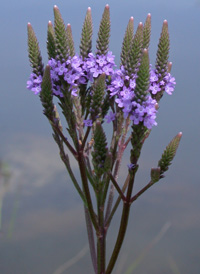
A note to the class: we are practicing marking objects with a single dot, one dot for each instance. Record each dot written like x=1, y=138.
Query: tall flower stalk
x=91, y=92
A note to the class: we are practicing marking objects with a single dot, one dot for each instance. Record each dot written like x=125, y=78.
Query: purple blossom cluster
x=76, y=71
x=123, y=88
x=168, y=83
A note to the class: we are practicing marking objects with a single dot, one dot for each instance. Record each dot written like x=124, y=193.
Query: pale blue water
x=42, y=217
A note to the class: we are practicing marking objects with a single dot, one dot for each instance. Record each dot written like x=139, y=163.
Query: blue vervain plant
x=90, y=92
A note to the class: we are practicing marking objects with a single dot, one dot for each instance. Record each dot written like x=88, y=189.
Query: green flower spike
x=46, y=94
x=62, y=47
x=147, y=32
x=34, y=52
x=135, y=51
x=70, y=40
x=142, y=81
x=169, y=154
x=155, y=174
x=51, y=43
x=162, y=56
x=100, y=150
x=86, y=36
x=128, y=37
x=104, y=32
x=98, y=95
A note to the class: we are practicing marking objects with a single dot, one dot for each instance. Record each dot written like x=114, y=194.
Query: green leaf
x=86, y=36
x=142, y=81
x=70, y=40
x=34, y=52
x=128, y=37
x=46, y=94
x=99, y=153
x=169, y=154
x=135, y=51
x=104, y=33
x=62, y=47
x=51, y=43
x=147, y=32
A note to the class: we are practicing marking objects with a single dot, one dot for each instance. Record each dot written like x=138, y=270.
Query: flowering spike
x=104, y=32
x=51, y=44
x=46, y=94
x=98, y=95
x=34, y=52
x=86, y=36
x=155, y=174
x=128, y=37
x=100, y=149
x=147, y=32
x=142, y=81
x=135, y=51
x=70, y=40
x=62, y=48
x=169, y=154
x=163, y=51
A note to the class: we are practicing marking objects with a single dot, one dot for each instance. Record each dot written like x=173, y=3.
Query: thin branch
x=141, y=191
x=117, y=187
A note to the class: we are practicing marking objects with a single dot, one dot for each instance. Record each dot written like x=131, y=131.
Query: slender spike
x=62, y=47
x=70, y=40
x=86, y=36
x=163, y=52
x=135, y=51
x=34, y=52
x=147, y=32
x=169, y=154
x=46, y=94
x=104, y=32
x=51, y=43
x=142, y=81
x=128, y=37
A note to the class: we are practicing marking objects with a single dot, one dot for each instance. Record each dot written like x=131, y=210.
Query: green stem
x=123, y=225
x=86, y=189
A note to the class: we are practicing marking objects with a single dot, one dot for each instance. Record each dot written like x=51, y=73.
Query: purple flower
x=110, y=117
x=87, y=123
x=155, y=88
x=101, y=60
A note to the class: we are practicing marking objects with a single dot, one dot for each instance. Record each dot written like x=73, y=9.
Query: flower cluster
x=76, y=71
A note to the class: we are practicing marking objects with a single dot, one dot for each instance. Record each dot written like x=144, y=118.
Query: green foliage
x=51, y=43
x=62, y=47
x=34, y=52
x=46, y=94
x=147, y=32
x=169, y=154
x=135, y=51
x=104, y=33
x=100, y=150
x=70, y=40
x=128, y=37
x=86, y=36
x=142, y=81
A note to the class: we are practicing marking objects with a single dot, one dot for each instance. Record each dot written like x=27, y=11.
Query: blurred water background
x=42, y=223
